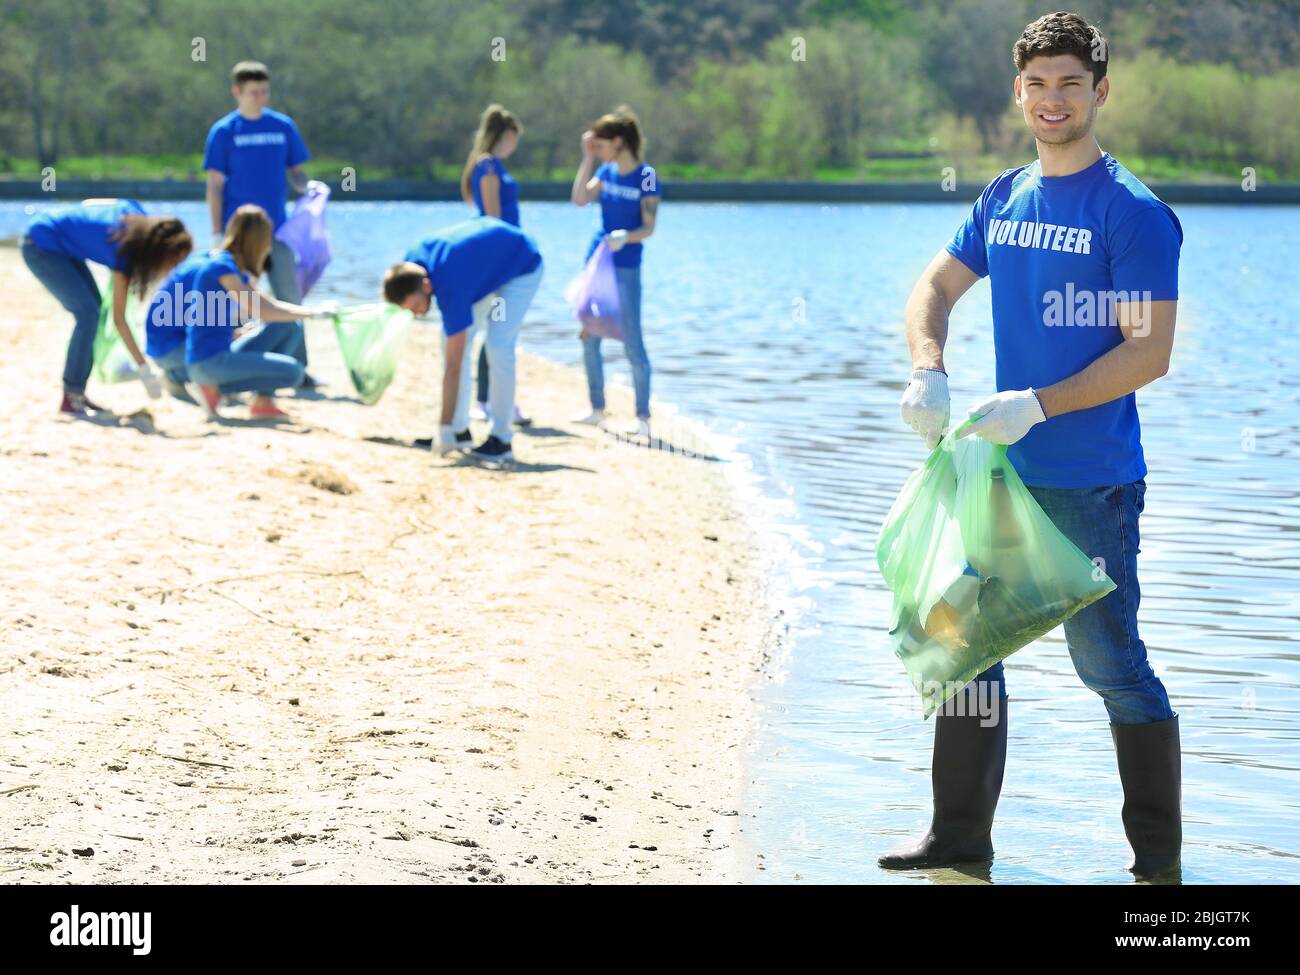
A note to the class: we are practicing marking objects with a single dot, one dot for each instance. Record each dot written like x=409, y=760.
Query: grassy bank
x=904, y=169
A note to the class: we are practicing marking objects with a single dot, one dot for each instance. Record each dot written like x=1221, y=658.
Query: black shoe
x=464, y=440
x=309, y=381
x=1150, y=769
x=966, y=774
x=494, y=449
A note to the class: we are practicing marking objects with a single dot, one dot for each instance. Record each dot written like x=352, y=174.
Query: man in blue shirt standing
x=247, y=156
x=1083, y=266
x=483, y=273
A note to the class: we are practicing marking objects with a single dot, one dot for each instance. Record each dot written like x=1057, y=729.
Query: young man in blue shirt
x=247, y=157
x=1083, y=263
x=482, y=273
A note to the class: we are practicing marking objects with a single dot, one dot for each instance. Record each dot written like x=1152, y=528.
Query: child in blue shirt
x=482, y=273
x=629, y=192
x=138, y=249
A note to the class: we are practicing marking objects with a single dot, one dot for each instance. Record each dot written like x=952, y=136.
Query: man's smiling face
x=1058, y=98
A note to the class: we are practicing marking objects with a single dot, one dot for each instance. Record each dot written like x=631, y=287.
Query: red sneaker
x=208, y=397
x=267, y=411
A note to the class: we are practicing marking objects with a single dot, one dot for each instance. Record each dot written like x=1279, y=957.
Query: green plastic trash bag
x=976, y=567
x=111, y=362
x=371, y=338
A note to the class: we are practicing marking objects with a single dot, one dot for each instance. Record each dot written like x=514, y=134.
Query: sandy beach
x=233, y=652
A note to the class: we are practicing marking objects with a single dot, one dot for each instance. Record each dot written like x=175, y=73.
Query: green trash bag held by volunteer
x=111, y=363
x=371, y=338
x=976, y=567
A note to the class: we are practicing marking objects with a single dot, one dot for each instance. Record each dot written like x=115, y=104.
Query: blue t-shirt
x=1060, y=251
x=620, y=206
x=254, y=155
x=164, y=322
x=508, y=192
x=468, y=261
x=84, y=232
x=211, y=312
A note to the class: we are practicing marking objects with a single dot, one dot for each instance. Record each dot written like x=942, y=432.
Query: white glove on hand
x=149, y=379
x=446, y=440
x=315, y=186
x=326, y=309
x=1005, y=417
x=925, y=404
x=616, y=239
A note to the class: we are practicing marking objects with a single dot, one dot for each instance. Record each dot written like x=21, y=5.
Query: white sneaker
x=480, y=411
x=593, y=419
x=638, y=428
x=522, y=419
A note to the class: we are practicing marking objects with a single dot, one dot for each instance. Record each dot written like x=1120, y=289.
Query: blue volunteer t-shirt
x=211, y=312
x=84, y=232
x=469, y=261
x=254, y=155
x=620, y=207
x=164, y=322
x=509, y=188
x=1060, y=251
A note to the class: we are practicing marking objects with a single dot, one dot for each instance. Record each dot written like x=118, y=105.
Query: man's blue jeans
x=256, y=362
x=629, y=296
x=498, y=317
x=71, y=282
x=290, y=337
x=1108, y=655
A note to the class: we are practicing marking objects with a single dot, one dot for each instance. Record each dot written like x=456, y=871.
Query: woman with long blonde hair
x=487, y=185
x=218, y=299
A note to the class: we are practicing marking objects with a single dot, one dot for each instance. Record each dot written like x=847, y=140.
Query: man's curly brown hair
x=1062, y=33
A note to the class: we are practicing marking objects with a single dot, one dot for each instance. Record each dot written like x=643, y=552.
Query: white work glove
x=616, y=239
x=446, y=440
x=149, y=379
x=925, y=405
x=1005, y=417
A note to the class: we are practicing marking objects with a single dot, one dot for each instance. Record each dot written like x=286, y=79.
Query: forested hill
x=830, y=89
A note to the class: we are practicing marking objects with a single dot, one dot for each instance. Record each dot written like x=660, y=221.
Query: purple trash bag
x=306, y=236
x=594, y=296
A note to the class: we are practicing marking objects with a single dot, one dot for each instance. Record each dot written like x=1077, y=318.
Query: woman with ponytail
x=628, y=191
x=215, y=299
x=137, y=249
x=487, y=186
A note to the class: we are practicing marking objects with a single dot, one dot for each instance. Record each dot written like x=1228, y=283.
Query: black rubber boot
x=1150, y=769
x=966, y=773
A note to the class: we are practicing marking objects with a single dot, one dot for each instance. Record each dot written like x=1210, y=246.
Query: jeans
x=501, y=315
x=629, y=296
x=256, y=362
x=284, y=285
x=1108, y=655
x=71, y=282
x=173, y=365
